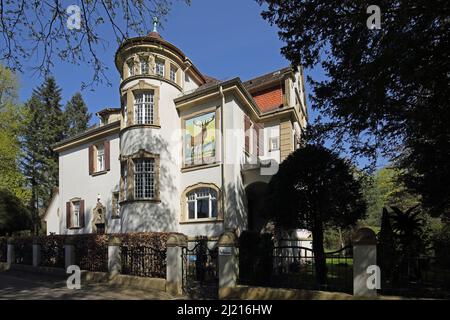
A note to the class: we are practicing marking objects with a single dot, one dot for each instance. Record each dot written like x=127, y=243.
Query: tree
x=385, y=91
x=14, y=216
x=385, y=188
x=42, y=31
x=76, y=115
x=44, y=127
x=12, y=115
x=312, y=189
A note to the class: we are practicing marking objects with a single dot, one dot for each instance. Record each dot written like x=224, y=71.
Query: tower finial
x=155, y=24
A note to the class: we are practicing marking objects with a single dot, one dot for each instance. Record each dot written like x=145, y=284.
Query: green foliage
x=12, y=115
x=312, y=189
x=386, y=189
x=385, y=91
x=76, y=116
x=44, y=127
x=14, y=216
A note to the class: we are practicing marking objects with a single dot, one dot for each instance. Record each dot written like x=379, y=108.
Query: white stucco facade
x=179, y=95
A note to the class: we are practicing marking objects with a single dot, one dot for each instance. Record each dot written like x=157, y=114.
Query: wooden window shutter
x=68, y=215
x=91, y=159
x=82, y=213
x=107, y=155
x=259, y=127
x=247, y=133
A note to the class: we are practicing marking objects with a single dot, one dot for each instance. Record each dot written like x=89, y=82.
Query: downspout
x=222, y=150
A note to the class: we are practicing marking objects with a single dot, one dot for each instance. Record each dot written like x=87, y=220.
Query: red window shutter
x=82, y=213
x=68, y=215
x=91, y=159
x=247, y=133
x=259, y=127
x=107, y=153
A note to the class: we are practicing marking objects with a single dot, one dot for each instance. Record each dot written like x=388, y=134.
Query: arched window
x=201, y=204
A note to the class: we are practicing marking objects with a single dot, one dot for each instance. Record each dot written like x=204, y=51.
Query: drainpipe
x=222, y=149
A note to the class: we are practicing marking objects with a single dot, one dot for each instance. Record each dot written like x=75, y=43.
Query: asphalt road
x=24, y=286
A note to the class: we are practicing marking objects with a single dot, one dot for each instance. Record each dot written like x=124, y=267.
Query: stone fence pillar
x=114, y=255
x=228, y=262
x=174, y=263
x=69, y=250
x=36, y=252
x=366, y=275
x=10, y=256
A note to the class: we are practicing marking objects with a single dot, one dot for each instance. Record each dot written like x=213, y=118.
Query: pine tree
x=76, y=116
x=45, y=127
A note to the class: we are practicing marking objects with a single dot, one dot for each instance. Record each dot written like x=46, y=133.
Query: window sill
x=205, y=220
x=75, y=228
x=150, y=126
x=200, y=166
x=140, y=200
x=99, y=173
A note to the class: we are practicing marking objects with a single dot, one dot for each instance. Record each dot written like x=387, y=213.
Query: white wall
x=53, y=215
x=75, y=181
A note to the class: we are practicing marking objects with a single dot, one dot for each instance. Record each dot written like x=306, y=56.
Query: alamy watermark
x=374, y=20
x=74, y=280
x=74, y=19
x=374, y=280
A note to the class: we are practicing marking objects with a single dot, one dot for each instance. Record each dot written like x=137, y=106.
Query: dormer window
x=159, y=67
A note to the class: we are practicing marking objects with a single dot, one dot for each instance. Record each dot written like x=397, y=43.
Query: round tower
x=153, y=73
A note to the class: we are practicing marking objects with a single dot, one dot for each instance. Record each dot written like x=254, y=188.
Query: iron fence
x=143, y=261
x=200, y=268
x=3, y=249
x=23, y=251
x=52, y=251
x=295, y=267
x=420, y=276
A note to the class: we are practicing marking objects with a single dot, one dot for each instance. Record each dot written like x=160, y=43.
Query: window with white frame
x=173, y=73
x=144, y=66
x=144, y=178
x=274, y=143
x=202, y=203
x=100, y=157
x=144, y=107
x=75, y=223
x=159, y=67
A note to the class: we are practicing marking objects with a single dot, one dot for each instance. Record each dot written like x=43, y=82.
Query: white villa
x=184, y=153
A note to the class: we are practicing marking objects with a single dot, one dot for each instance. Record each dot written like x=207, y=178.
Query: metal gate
x=200, y=269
